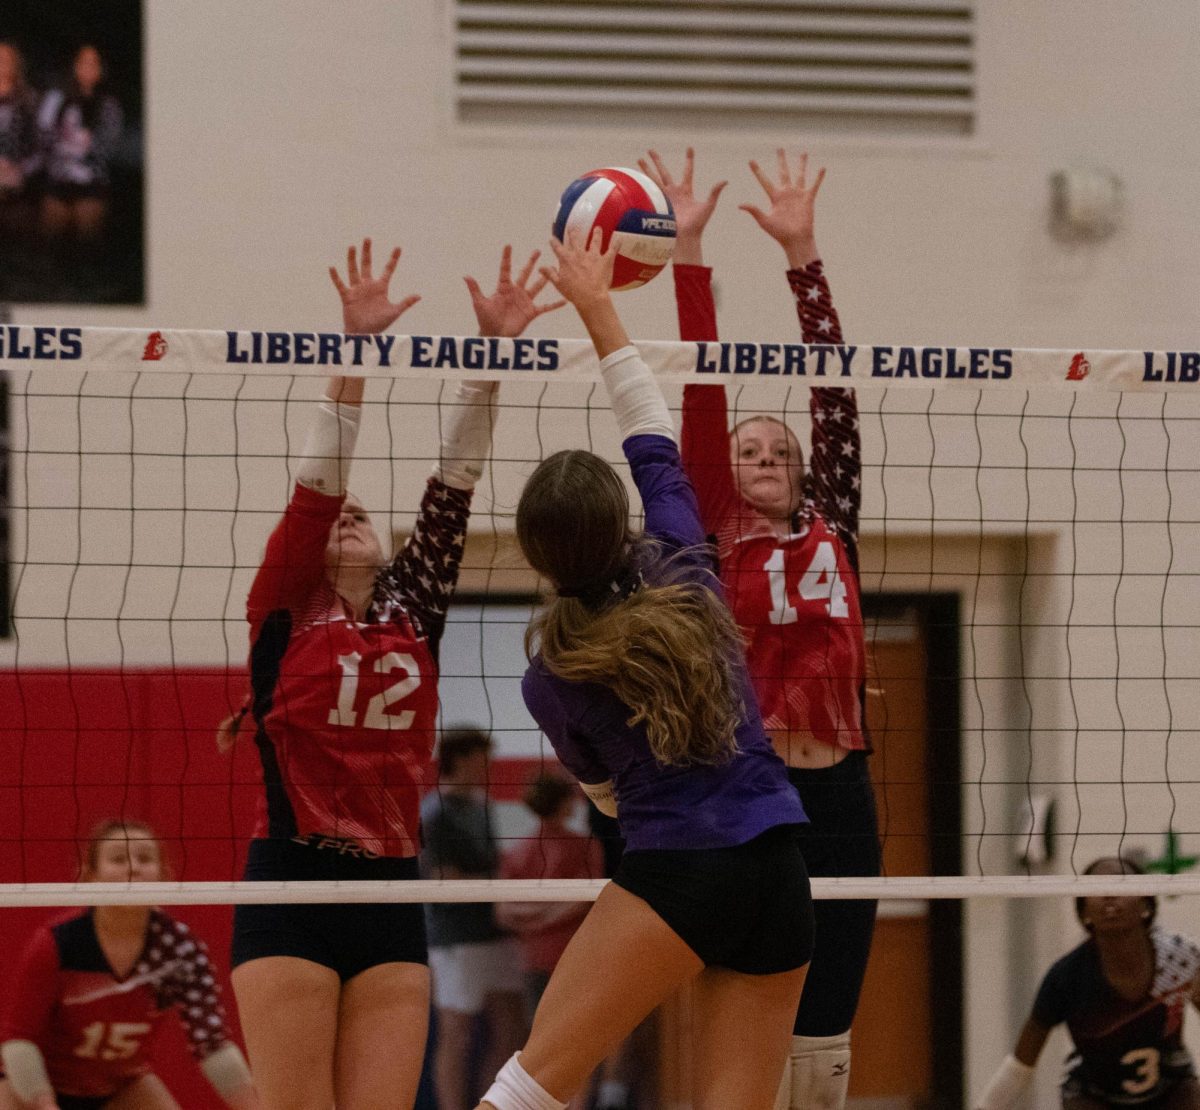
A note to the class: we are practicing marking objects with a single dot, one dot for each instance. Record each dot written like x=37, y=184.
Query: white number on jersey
x=375, y=715
x=117, y=1041
x=821, y=582
x=1146, y=1076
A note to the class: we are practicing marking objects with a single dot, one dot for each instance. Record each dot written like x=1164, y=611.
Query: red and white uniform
x=796, y=597
x=95, y=1030
x=345, y=708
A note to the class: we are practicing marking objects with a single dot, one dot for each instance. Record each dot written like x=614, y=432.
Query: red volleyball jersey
x=796, y=597
x=345, y=708
x=95, y=1030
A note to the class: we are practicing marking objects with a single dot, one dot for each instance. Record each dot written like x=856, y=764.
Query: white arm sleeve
x=467, y=424
x=25, y=1068
x=329, y=449
x=226, y=1069
x=637, y=401
x=602, y=796
x=1007, y=1086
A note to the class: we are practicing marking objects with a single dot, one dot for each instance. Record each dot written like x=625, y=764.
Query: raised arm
x=835, y=462
x=704, y=432
x=425, y=571
x=583, y=276
x=294, y=563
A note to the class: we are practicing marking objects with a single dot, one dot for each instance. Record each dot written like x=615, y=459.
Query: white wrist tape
x=226, y=1069
x=467, y=424
x=602, y=796
x=25, y=1068
x=637, y=401
x=329, y=449
x=516, y=1089
x=820, y=1072
x=1007, y=1085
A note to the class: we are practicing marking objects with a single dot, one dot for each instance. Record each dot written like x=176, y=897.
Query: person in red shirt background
x=787, y=542
x=91, y=992
x=553, y=852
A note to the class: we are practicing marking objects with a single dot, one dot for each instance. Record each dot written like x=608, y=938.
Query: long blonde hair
x=668, y=648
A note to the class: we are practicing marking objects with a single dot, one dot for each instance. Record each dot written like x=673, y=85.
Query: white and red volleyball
x=625, y=203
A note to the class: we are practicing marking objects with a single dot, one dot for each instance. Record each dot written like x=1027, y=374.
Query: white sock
x=820, y=1072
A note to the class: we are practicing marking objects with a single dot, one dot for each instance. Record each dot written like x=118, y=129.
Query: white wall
x=280, y=131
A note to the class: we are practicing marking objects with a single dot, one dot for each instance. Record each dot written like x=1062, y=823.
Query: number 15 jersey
x=795, y=596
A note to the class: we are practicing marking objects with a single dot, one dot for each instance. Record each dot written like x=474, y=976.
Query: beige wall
x=281, y=130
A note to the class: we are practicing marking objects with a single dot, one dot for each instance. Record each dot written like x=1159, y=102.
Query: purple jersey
x=665, y=807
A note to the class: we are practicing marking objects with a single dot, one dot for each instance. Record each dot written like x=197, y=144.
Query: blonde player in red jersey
x=787, y=540
x=343, y=660
x=93, y=988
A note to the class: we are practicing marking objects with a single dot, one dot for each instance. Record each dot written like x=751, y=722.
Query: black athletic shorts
x=84, y=1102
x=350, y=937
x=747, y=908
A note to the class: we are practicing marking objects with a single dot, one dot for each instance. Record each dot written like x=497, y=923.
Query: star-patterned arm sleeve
x=835, y=462
x=422, y=577
x=192, y=988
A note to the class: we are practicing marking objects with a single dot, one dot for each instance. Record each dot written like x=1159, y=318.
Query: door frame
x=938, y=616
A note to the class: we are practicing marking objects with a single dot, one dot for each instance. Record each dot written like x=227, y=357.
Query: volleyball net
x=1030, y=557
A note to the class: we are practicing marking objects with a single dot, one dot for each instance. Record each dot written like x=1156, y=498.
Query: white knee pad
x=516, y=1089
x=820, y=1072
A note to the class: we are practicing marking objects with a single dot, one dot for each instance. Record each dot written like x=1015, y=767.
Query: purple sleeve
x=570, y=744
x=1052, y=1003
x=672, y=513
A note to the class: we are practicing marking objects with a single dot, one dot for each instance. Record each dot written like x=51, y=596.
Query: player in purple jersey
x=1122, y=994
x=637, y=678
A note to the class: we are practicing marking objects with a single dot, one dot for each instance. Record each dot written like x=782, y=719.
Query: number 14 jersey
x=795, y=596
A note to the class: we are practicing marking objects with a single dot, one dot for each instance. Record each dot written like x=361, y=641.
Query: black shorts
x=349, y=937
x=747, y=908
x=841, y=840
x=84, y=1102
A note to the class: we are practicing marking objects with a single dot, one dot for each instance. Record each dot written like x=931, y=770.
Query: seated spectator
x=476, y=966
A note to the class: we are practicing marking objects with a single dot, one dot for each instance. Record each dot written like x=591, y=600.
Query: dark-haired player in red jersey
x=787, y=541
x=92, y=990
x=1122, y=993
x=343, y=665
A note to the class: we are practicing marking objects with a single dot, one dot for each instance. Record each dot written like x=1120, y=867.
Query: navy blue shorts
x=747, y=908
x=347, y=937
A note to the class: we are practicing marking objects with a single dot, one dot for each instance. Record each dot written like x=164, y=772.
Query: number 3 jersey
x=796, y=596
x=345, y=709
x=95, y=1030
x=1127, y=1052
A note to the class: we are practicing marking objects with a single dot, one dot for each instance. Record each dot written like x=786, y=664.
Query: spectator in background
x=555, y=852
x=476, y=966
x=18, y=140
x=81, y=127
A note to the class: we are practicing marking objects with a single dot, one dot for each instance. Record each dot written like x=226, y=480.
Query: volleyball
x=630, y=205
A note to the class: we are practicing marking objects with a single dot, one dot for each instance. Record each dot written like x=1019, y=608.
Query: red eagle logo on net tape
x=156, y=347
x=1079, y=368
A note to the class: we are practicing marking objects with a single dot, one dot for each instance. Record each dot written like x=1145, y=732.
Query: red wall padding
x=82, y=746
